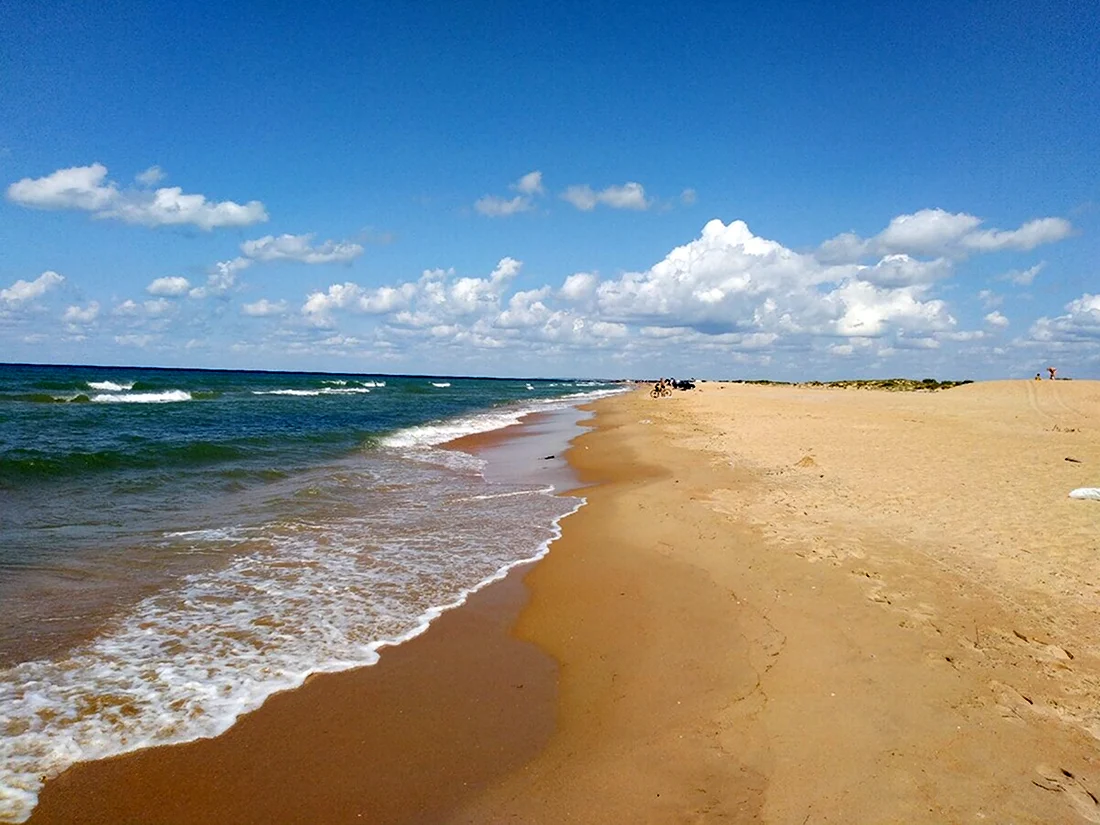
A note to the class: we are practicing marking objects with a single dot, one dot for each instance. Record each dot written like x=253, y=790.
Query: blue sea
x=177, y=545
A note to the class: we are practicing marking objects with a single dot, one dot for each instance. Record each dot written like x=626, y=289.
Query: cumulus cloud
x=937, y=232
x=81, y=315
x=996, y=319
x=300, y=248
x=579, y=286
x=528, y=187
x=172, y=286
x=1079, y=324
x=263, y=308
x=628, y=196
x=23, y=291
x=435, y=299
x=731, y=281
x=87, y=188
x=728, y=293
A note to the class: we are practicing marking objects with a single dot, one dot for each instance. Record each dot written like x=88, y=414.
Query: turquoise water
x=177, y=545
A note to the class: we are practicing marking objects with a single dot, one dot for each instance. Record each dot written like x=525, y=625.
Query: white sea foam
x=166, y=397
x=440, y=432
x=542, y=491
x=312, y=596
x=441, y=383
x=286, y=392
x=313, y=393
x=110, y=386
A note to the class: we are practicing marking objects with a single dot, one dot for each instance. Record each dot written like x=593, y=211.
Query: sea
x=177, y=545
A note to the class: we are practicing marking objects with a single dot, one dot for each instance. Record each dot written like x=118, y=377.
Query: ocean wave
x=45, y=398
x=186, y=663
x=110, y=386
x=441, y=384
x=165, y=397
x=440, y=432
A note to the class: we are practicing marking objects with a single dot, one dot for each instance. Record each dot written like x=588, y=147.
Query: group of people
x=1051, y=370
x=665, y=386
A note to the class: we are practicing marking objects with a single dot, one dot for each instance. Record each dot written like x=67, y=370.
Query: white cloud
x=222, y=277
x=926, y=232
x=901, y=270
x=579, y=286
x=263, y=308
x=869, y=311
x=300, y=248
x=628, y=196
x=990, y=299
x=528, y=187
x=1080, y=323
x=530, y=184
x=87, y=188
x=171, y=286
x=79, y=187
x=942, y=234
x=150, y=177
x=23, y=291
x=432, y=300
x=81, y=315
x=688, y=197
x=996, y=319
x=157, y=306
x=1024, y=277
x=497, y=207
x=1028, y=236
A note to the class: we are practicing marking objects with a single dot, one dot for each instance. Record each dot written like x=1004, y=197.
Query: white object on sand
x=1092, y=493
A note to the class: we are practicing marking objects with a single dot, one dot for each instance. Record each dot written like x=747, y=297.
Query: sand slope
x=798, y=605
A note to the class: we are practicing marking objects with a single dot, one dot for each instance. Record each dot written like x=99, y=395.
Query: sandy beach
x=781, y=605
x=808, y=605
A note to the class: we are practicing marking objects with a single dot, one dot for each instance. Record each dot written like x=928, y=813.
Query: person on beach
x=1052, y=370
x=1038, y=377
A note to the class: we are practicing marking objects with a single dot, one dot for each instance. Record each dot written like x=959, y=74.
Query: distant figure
x=1038, y=377
x=1052, y=371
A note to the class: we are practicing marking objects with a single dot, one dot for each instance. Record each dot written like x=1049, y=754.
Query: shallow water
x=166, y=564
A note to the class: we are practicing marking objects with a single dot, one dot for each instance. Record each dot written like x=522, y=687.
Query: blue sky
x=785, y=190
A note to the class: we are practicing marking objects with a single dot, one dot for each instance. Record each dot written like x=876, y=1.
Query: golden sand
x=795, y=605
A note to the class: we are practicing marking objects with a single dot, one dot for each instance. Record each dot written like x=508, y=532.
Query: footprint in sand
x=1060, y=780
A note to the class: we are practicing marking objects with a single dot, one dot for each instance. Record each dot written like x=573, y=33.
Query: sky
x=785, y=190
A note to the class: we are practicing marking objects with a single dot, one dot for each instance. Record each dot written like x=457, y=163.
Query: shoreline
x=784, y=605
x=458, y=703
